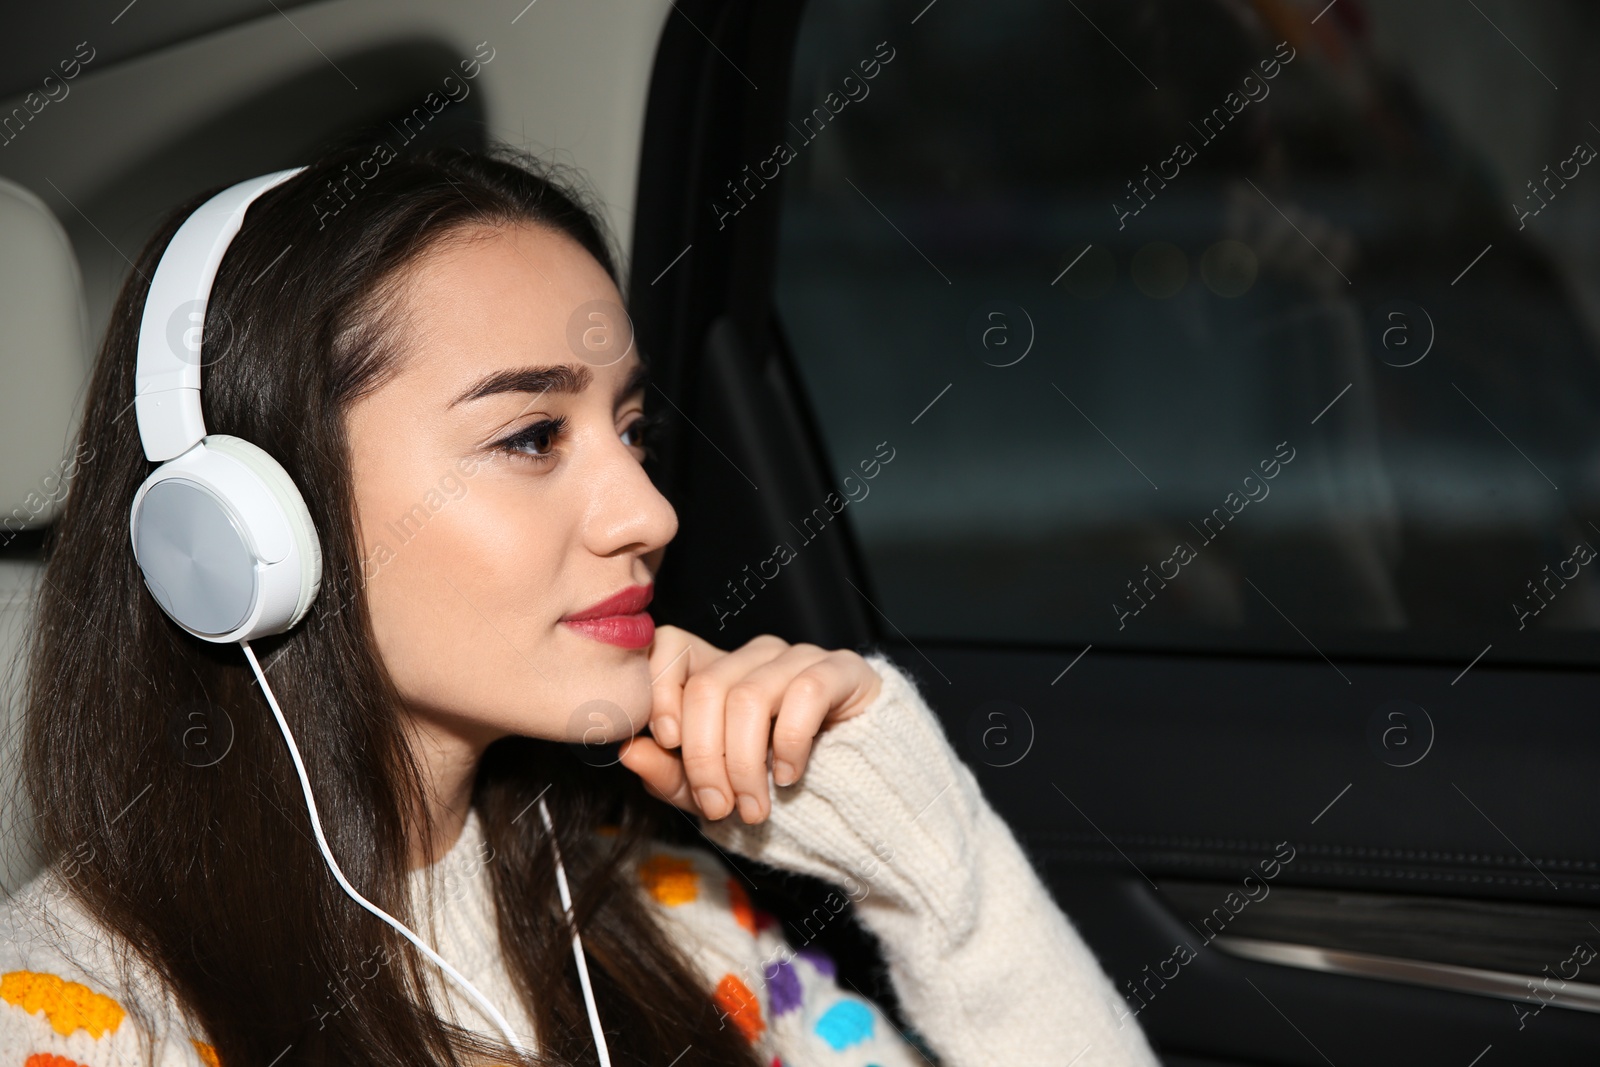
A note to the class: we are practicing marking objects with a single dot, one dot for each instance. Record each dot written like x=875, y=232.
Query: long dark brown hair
x=164, y=792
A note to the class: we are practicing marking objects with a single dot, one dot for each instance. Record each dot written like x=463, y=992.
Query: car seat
x=45, y=356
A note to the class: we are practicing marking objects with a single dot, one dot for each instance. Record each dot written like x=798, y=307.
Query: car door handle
x=1546, y=989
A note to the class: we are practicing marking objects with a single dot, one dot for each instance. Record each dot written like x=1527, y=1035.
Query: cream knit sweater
x=987, y=968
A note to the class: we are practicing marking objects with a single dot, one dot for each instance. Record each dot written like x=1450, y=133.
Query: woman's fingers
x=674, y=656
x=704, y=720
x=721, y=710
x=660, y=769
x=832, y=685
x=752, y=703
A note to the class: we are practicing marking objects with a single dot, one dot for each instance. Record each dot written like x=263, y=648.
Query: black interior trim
x=741, y=455
x=700, y=299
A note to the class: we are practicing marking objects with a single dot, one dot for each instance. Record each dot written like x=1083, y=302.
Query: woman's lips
x=619, y=619
x=625, y=631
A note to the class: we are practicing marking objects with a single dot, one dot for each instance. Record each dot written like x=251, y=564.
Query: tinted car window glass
x=1206, y=324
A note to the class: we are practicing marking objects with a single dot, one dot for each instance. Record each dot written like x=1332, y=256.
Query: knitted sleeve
x=74, y=995
x=53, y=1020
x=61, y=1004
x=986, y=966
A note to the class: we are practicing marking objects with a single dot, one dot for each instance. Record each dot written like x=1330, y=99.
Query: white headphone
x=221, y=534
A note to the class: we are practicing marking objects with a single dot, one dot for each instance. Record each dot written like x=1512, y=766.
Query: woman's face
x=481, y=524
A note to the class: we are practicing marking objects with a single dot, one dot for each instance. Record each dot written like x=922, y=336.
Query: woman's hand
x=717, y=710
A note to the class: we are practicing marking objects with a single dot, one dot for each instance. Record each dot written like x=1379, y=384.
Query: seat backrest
x=45, y=355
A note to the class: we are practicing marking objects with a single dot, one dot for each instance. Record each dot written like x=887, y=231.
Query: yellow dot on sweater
x=68, y=1005
x=670, y=880
x=207, y=1053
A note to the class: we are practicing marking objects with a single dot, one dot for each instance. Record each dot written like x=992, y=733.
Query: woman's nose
x=626, y=507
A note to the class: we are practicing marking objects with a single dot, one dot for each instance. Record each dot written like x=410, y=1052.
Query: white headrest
x=45, y=356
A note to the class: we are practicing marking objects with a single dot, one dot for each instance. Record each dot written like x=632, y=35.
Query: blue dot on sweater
x=846, y=1023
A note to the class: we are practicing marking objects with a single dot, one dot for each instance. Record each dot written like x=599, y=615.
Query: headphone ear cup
x=293, y=505
x=225, y=542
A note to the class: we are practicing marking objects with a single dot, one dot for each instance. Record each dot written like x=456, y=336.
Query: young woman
x=412, y=348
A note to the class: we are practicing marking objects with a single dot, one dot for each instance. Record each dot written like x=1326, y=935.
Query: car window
x=1205, y=324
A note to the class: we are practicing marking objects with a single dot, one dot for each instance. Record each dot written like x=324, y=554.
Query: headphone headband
x=167, y=373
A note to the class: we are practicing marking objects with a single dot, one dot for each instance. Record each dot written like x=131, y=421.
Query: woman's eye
x=639, y=433
x=537, y=441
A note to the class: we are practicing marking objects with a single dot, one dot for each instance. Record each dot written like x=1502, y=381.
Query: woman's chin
x=612, y=709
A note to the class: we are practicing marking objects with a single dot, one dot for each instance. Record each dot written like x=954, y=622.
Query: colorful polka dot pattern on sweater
x=784, y=1000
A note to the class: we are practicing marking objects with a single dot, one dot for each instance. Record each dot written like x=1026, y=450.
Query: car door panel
x=1291, y=783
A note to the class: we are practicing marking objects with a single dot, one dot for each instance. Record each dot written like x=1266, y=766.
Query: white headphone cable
x=322, y=843
x=577, y=943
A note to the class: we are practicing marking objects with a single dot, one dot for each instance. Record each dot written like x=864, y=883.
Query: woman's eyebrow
x=563, y=378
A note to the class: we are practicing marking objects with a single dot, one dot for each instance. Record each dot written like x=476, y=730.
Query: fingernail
x=783, y=772
x=749, y=810
x=710, y=801
x=666, y=731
